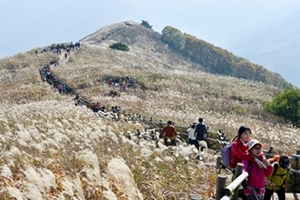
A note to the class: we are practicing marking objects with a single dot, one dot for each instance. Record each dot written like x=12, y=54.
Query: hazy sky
x=34, y=23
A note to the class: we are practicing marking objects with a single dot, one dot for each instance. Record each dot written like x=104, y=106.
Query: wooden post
x=218, y=163
x=221, y=181
x=297, y=160
x=294, y=182
x=239, y=171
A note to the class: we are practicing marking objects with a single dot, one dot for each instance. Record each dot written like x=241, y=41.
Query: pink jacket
x=256, y=178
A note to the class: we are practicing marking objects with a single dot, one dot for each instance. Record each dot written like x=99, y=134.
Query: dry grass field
x=52, y=149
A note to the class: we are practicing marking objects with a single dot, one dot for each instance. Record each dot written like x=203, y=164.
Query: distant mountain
x=276, y=47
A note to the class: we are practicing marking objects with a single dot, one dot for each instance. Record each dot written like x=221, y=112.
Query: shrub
x=146, y=24
x=286, y=105
x=119, y=46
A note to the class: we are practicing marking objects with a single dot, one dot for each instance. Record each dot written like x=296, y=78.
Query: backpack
x=200, y=131
x=225, y=153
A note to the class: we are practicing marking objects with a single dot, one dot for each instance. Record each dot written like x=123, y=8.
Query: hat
x=252, y=143
x=284, y=161
x=242, y=129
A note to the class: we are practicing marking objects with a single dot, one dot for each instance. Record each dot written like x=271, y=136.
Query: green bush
x=146, y=24
x=286, y=105
x=119, y=46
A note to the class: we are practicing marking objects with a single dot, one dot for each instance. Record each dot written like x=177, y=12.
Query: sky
x=28, y=24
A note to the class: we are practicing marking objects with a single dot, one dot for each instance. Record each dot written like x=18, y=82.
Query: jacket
x=169, y=131
x=239, y=153
x=256, y=178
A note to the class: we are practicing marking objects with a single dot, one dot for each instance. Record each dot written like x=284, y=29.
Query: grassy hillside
x=52, y=149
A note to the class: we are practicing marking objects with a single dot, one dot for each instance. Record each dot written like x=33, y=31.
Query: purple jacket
x=256, y=178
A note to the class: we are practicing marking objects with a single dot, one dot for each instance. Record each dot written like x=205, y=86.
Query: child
x=255, y=184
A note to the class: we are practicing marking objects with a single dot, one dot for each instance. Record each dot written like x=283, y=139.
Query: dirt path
x=62, y=59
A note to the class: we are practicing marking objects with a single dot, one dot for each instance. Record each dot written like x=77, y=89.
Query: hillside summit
x=52, y=149
x=213, y=59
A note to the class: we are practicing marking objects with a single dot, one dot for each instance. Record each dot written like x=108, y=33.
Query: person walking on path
x=201, y=130
x=191, y=135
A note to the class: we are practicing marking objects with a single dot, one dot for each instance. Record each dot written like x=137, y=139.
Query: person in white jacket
x=191, y=135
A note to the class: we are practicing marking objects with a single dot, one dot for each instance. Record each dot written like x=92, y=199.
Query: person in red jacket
x=169, y=132
x=239, y=148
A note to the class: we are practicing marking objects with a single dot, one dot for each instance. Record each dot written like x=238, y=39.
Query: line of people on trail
x=266, y=176
x=48, y=77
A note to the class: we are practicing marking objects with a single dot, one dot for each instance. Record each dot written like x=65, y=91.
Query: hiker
x=115, y=93
x=254, y=186
x=201, y=130
x=92, y=106
x=97, y=107
x=277, y=181
x=134, y=86
x=239, y=148
x=191, y=135
x=63, y=89
x=66, y=55
x=59, y=87
x=72, y=46
x=169, y=132
x=113, y=110
x=117, y=109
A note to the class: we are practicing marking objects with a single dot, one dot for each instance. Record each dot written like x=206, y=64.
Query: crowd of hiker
x=57, y=48
x=121, y=82
x=96, y=107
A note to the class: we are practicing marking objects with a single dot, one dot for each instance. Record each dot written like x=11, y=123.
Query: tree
x=146, y=24
x=286, y=105
x=119, y=46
